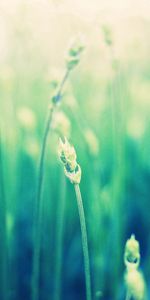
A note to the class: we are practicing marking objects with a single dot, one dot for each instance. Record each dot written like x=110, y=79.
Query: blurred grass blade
x=3, y=234
x=39, y=206
x=84, y=241
x=59, y=238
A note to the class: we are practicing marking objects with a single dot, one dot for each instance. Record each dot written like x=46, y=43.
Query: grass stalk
x=38, y=209
x=3, y=234
x=84, y=241
x=59, y=238
x=117, y=111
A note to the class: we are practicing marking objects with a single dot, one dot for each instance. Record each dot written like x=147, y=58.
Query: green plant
x=3, y=233
x=72, y=170
x=59, y=238
x=72, y=60
x=134, y=279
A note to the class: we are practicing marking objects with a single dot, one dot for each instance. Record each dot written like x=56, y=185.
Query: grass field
x=103, y=111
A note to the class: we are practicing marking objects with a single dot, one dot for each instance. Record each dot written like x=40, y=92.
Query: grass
x=39, y=205
x=84, y=242
x=3, y=233
x=115, y=184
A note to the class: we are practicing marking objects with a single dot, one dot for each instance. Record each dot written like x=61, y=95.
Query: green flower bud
x=134, y=280
x=72, y=62
x=75, y=50
x=132, y=253
x=76, y=46
x=67, y=155
x=75, y=176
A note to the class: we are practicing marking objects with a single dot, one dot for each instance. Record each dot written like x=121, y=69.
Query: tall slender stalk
x=67, y=155
x=3, y=234
x=59, y=238
x=117, y=110
x=38, y=208
x=73, y=59
x=84, y=241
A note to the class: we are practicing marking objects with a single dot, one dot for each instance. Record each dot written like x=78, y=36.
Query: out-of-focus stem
x=38, y=208
x=84, y=242
x=59, y=237
x=117, y=110
x=3, y=235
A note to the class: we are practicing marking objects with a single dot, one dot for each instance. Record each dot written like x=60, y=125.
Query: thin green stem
x=117, y=110
x=39, y=204
x=38, y=214
x=84, y=242
x=62, y=84
x=59, y=238
x=3, y=235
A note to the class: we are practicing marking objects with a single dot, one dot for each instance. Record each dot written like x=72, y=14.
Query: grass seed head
x=67, y=155
x=75, y=50
x=132, y=253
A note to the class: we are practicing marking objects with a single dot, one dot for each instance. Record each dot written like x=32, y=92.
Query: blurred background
x=104, y=113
